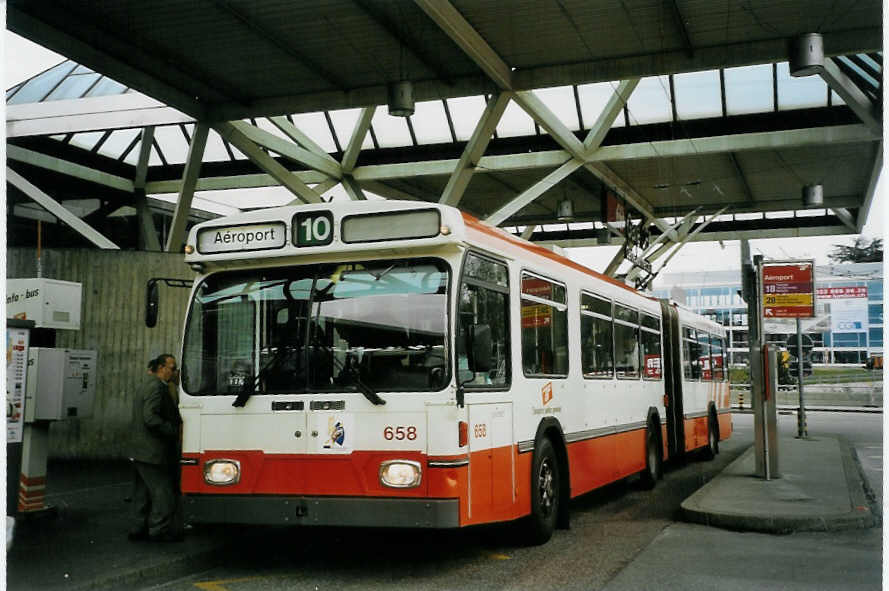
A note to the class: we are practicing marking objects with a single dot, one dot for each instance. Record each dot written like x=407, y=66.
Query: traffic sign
x=788, y=289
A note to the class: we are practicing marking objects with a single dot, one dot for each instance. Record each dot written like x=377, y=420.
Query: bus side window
x=596, y=337
x=484, y=299
x=544, y=327
x=626, y=342
x=704, y=356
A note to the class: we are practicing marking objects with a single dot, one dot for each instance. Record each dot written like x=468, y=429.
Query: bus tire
x=545, y=494
x=652, y=471
x=712, y=447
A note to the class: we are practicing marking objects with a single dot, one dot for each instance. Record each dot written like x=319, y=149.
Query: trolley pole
x=801, y=427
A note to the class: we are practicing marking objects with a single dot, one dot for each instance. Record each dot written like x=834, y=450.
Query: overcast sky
x=24, y=59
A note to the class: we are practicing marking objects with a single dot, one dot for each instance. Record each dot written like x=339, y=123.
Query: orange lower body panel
x=495, y=486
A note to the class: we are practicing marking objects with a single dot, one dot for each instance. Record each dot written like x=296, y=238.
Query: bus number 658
x=400, y=433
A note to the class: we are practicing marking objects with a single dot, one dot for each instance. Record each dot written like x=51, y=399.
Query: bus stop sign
x=788, y=289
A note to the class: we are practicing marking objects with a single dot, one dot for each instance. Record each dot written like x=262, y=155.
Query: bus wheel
x=652, y=471
x=712, y=447
x=545, y=491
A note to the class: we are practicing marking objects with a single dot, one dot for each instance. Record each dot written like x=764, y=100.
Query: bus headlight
x=400, y=474
x=222, y=472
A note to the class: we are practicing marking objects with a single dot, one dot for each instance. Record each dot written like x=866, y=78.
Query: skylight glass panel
x=855, y=68
x=344, y=122
x=391, y=131
x=315, y=126
x=430, y=123
x=86, y=140
x=465, y=113
x=515, y=122
x=650, y=102
x=748, y=89
x=799, y=93
x=106, y=87
x=154, y=158
x=172, y=143
x=593, y=98
x=35, y=89
x=836, y=99
x=81, y=69
x=214, y=151
x=119, y=141
x=560, y=101
x=698, y=95
x=73, y=87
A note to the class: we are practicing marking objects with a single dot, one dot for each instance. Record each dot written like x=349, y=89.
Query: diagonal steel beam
x=189, y=180
x=390, y=192
x=353, y=189
x=548, y=120
x=148, y=237
x=475, y=148
x=864, y=210
x=68, y=168
x=267, y=163
x=844, y=216
x=467, y=38
x=293, y=132
x=350, y=156
x=319, y=188
x=533, y=192
x=857, y=100
x=58, y=210
x=613, y=108
x=528, y=232
x=288, y=149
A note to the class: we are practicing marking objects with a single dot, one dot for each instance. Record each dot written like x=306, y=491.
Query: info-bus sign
x=788, y=289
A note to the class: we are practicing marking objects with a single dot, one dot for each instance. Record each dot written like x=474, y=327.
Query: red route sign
x=788, y=290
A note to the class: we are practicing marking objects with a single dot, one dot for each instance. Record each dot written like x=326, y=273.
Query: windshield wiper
x=249, y=386
x=352, y=374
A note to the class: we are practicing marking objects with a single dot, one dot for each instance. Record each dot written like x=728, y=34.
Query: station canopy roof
x=686, y=111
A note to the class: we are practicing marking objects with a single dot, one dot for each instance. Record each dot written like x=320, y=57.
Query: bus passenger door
x=673, y=380
x=491, y=471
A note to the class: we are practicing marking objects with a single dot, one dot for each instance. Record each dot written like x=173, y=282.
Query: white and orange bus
x=395, y=364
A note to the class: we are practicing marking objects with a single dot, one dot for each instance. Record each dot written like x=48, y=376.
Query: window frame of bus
x=600, y=316
x=686, y=359
x=522, y=295
x=389, y=213
x=706, y=341
x=463, y=280
x=722, y=353
x=617, y=321
x=643, y=328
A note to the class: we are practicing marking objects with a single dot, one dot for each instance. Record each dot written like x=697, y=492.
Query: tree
x=859, y=252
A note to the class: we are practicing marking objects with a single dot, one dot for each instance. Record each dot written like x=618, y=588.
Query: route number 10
x=313, y=229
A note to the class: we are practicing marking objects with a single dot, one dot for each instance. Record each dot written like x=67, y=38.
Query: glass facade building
x=847, y=329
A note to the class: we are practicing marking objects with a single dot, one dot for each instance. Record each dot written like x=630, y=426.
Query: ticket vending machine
x=60, y=383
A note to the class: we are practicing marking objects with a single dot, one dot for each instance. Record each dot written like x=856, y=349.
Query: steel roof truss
x=287, y=149
x=854, y=97
x=189, y=181
x=293, y=132
x=475, y=147
x=533, y=192
x=58, y=210
x=871, y=189
x=350, y=156
x=268, y=164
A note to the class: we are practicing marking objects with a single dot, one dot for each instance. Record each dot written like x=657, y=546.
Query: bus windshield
x=319, y=328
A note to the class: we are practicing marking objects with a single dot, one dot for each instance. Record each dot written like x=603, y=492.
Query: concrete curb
x=863, y=513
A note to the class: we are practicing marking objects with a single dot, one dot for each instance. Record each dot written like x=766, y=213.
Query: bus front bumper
x=310, y=511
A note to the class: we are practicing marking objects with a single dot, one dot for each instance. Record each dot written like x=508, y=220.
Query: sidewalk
x=85, y=546
x=821, y=488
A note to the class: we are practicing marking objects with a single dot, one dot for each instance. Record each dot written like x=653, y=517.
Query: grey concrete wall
x=112, y=323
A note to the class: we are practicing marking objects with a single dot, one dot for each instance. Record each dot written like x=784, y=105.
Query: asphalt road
x=621, y=537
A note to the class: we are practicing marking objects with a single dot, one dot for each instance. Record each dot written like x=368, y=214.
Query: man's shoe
x=137, y=535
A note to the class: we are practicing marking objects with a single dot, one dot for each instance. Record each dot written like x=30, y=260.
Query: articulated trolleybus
x=395, y=364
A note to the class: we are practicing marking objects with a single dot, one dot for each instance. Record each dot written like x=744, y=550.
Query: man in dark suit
x=155, y=454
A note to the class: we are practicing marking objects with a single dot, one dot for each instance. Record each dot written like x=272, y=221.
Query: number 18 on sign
x=788, y=289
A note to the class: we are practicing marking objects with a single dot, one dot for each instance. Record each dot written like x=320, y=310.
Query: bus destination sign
x=242, y=238
x=788, y=290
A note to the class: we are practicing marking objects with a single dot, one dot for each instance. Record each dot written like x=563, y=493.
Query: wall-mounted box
x=50, y=303
x=61, y=384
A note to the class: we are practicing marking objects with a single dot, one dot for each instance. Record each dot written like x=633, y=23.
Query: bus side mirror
x=479, y=348
x=152, y=299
